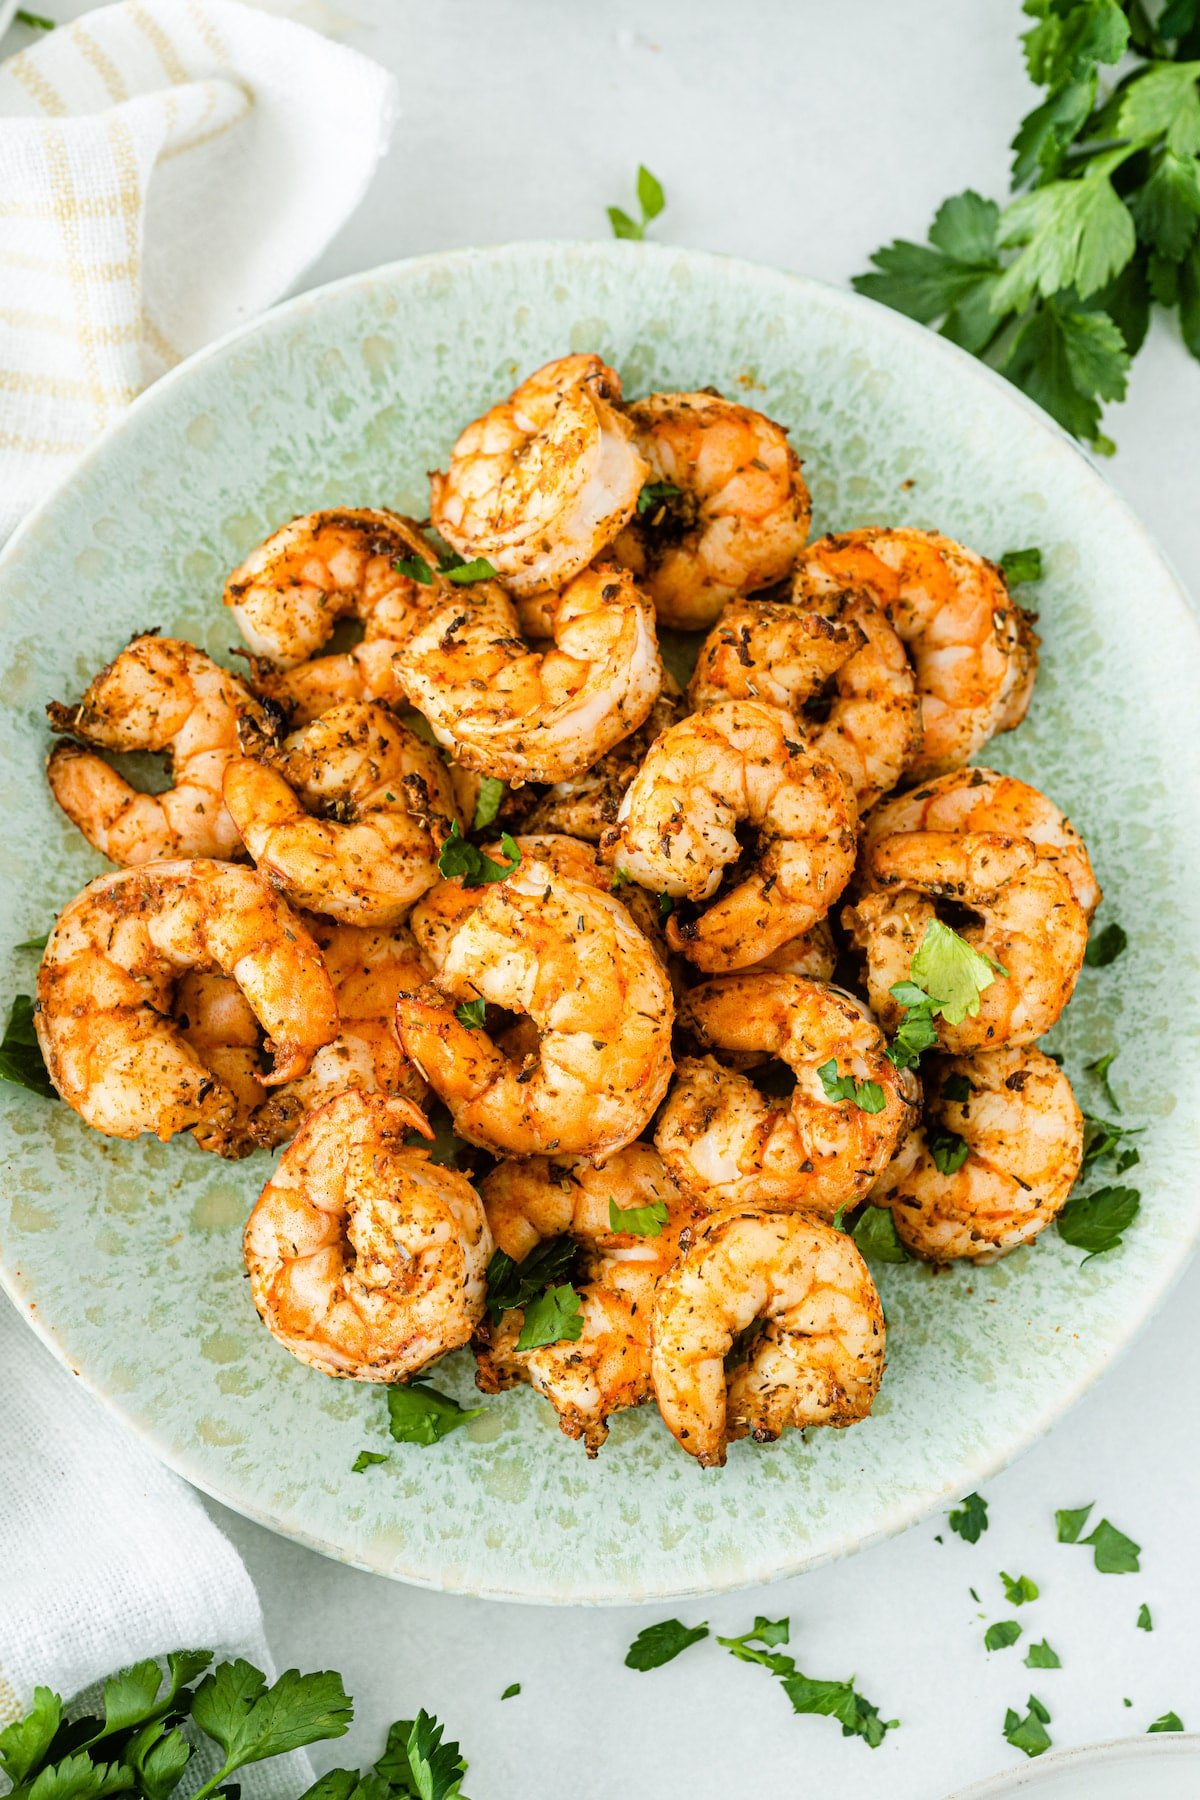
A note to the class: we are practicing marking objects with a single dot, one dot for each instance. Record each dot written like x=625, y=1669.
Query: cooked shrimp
x=587, y=804
x=572, y=960
x=736, y=764
x=973, y=648
x=159, y=694
x=290, y=593
x=608, y=1366
x=542, y=483
x=365, y=1258
x=217, y=1021
x=1022, y=915
x=369, y=970
x=526, y=715
x=979, y=800
x=818, y=1359
x=437, y=915
x=731, y=511
x=384, y=807
x=728, y=1144
x=812, y=954
x=108, y=975
x=1008, y=1135
x=772, y=651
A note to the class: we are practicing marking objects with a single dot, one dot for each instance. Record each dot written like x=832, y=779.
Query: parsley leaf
x=1068, y=360
x=970, y=1519
x=1041, y=1656
x=951, y=973
x=1101, y=1138
x=416, y=569
x=651, y=202
x=366, y=1459
x=655, y=494
x=1072, y=234
x=1099, y=1068
x=1068, y=1523
x=1105, y=946
x=471, y=1013
x=488, y=802
x=1144, y=1621
x=662, y=1643
x=1115, y=1554
x=24, y=1743
x=555, y=1317
x=875, y=1235
x=839, y=1700
x=511, y=1691
x=251, y=1721
x=435, y=1769
x=948, y=1150
x=37, y=22
x=1096, y=1222
x=20, y=1055
x=421, y=1415
x=638, y=1221
x=868, y=1096
x=466, y=862
x=1170, y=1721
x=1017, y=1591
x=1029, y=1733
x=767, y=1633
x=1021, y=565
x=514, y=1284
x=1001, y=1635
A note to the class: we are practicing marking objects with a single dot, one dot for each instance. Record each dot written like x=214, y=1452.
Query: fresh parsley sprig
x=651, y=202
x=20, y=1054
x=1055, y=289
x=460, y=860
x=868, y=1096
x=945, y=979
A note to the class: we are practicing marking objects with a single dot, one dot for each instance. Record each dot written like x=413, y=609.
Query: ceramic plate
x=126, y=1256
x=1164, y=1767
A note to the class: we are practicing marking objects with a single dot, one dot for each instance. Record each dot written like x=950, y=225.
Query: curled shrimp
x=608, y=1366
x=818, y=1358
x=535, y=715
x=1020, y=913
x=738, y=763
x=107, y=980
x=289, y=594
x=727, y=1143
x=726, y=509
x=992, y=1162
x=812, y=954
x=349, y=815
x=571, y=960
x=543, y=482
x=366, y=1259
x=159, y=694
x=974, y=650
x=215, y=1019
x=587, y=805
x=980, y=800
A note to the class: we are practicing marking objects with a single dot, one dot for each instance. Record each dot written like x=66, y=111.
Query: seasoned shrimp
x=979, y=800
x=973, y=648
x=542, y=483
x=729, y=509
x=587, y=804
x=812, y=954
x=571, y=959
x=818, y=1359
x=1021, y=914
x=993, y=1161
x=366, y=1259
x=369, y=969
x=526, y=715
x=159, y=694
x=736, y=764
x=107, y=980
x=217, y=1021
x=383, y=805
x=608, y=1366
x=728, y=1144
x=290, y=593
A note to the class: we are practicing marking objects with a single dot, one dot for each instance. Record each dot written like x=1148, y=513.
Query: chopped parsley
x=511, y=1691
x=638, y=1221
x=948, y=1150
x=1170, y=1721
x=1021, y=565
x=1019, y=1589
x=766, y=1634
x=662, y=1643
x=1000, y=1635
x=970, y=1519
x=1096, y=1222
x=462, y=574
x=514, y=1284
x=420, y=1415
x=957, y=1089
x=651, y=202
x=555, y=1317
x=466, y=862
x=1115, y=1554
x=1041, y=1656
x=471, y=1013
x=488, y=802
x=366, y=1459
x=1099, y=1068
x=946, y=979
x=1028, y=1734
x=833, y=1699
x=20, y=1054
x=868, y=1096
x=415, y=568
x=875, y=1235
x=1144, y=1621
x=1101, y=1138
x=655, y=495
x=1105, y=946
x=36, y=21
x=666, y=906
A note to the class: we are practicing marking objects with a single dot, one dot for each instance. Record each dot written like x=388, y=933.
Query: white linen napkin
x=105, y=1556
x=167, y=169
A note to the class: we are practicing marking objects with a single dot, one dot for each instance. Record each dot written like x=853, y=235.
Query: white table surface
x=799, y=133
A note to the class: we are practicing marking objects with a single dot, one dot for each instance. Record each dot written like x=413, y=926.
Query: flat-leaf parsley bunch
x=1054, y=290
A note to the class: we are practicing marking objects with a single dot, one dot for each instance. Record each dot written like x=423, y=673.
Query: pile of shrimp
x=642, y=951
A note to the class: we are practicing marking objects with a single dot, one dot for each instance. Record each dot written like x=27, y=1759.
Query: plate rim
x=1083, y=1756
x=160, y=393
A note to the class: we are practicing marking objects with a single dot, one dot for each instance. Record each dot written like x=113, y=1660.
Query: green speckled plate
x=126, y=1256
